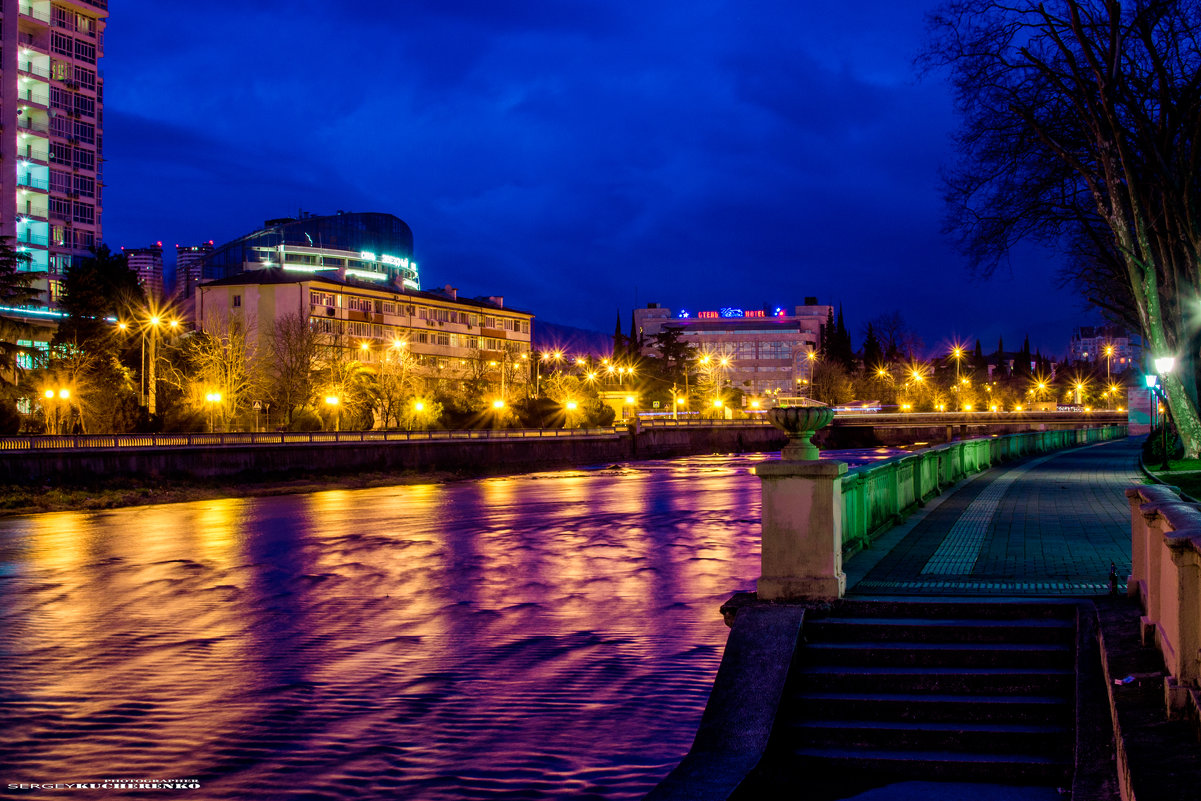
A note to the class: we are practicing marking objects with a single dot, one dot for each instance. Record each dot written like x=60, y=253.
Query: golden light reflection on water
x=422, y=632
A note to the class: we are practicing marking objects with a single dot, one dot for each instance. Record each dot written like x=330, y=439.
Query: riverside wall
x=467, y=456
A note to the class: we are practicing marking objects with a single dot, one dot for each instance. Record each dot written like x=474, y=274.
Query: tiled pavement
x=1048, y=525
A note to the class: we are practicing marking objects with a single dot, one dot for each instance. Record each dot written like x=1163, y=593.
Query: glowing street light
x=335, y=402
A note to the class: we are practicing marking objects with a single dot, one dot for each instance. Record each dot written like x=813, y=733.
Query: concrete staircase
x=966, y=692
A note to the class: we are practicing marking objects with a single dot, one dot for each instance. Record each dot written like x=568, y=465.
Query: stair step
x=932, y=707
x=995, y=609
x=944, y=630
x=937, y=765
x=936, y=680
x=935, y=654
x=959, y=736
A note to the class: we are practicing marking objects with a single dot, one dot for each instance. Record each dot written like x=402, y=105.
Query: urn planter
x=800, y=423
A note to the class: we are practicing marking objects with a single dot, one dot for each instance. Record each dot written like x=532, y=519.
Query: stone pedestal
x=802, y=530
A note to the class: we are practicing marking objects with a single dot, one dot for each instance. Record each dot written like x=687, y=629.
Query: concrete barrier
x=1165, y=577
x=208, y=456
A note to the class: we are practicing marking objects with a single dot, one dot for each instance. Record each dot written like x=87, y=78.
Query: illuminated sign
x=727, y=312
x=366, y=255
x=395, y=262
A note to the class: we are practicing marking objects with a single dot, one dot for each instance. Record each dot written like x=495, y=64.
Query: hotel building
x=767, y=350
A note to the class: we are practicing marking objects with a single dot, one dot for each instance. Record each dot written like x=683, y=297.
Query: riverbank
x=116, y=493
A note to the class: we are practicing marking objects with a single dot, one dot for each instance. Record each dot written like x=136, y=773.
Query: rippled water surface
x=542, y=636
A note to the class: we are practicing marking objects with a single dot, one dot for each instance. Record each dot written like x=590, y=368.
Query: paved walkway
x=1048, y=525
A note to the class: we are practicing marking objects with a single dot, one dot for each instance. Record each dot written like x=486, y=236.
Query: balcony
x=30, y=68
x=33, y=183
x=27, y=124
x=30, y=238
x=42, y=15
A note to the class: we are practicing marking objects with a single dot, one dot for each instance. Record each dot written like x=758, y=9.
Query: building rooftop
x=277, y=275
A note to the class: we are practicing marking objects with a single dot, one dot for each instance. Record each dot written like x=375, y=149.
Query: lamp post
x=213, y=398
x=1163, y=366
x=333, y=401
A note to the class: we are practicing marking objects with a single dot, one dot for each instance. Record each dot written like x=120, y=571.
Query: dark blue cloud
x=576, y=157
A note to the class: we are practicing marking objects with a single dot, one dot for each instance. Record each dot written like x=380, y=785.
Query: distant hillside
x=571, y=340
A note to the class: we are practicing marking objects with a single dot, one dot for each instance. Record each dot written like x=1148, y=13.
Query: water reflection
x=543, y=636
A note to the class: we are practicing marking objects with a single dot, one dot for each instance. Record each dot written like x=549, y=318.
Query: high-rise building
x=188, y=262
x=51, y=101
x=51, y=169
x=148, y=264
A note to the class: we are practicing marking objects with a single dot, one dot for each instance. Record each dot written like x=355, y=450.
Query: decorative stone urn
x=800, y=423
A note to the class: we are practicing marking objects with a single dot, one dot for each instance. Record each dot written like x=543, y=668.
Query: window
x=60, y=209
x=60, y=153
x=321, y=299
x=85, y=25
x=84, y=159
x=62, y=18
x=58, y=233
x=84, y=239
x=60, y=181
x=59, y=262
x=359, y=304
x=84, y=213
x=85, y=106
x=61, y=70
x=85, y=186
x=60, y=98
x=237, y=301
x=60, y=126
x=62, y=44
x=85, y=51
x=84, y=77
x=85, y=132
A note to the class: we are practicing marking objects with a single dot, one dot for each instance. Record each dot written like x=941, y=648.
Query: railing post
x=802, y=530
x=1183, y=545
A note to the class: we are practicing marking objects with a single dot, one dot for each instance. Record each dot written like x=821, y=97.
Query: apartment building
x=450, y=336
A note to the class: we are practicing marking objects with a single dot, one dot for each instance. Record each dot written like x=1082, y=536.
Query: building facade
x=51, y=113
x=761, y=351
x=1108, y=345
x=148, y=264
x=51, y=139
x=448, y=336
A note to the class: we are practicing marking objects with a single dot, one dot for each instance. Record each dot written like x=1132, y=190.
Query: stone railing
x=1165, y=545
x=814, y=512
x=877, y=496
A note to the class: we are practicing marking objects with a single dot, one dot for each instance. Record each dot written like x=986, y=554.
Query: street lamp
x=333, y=401
x=213, y=398
x=1163, y=367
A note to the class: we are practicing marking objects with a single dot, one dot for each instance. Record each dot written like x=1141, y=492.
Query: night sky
x=577, y=157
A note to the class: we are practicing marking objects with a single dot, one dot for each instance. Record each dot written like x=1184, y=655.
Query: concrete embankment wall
x=469, y=456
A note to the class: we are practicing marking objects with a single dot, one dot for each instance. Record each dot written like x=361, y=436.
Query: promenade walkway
x=1049, y=525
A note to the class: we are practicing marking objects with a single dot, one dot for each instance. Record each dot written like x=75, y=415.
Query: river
x=542, y=636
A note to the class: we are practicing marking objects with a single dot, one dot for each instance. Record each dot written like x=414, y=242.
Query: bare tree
x=292, y=347
x=1082, y=126
x=223, y=362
